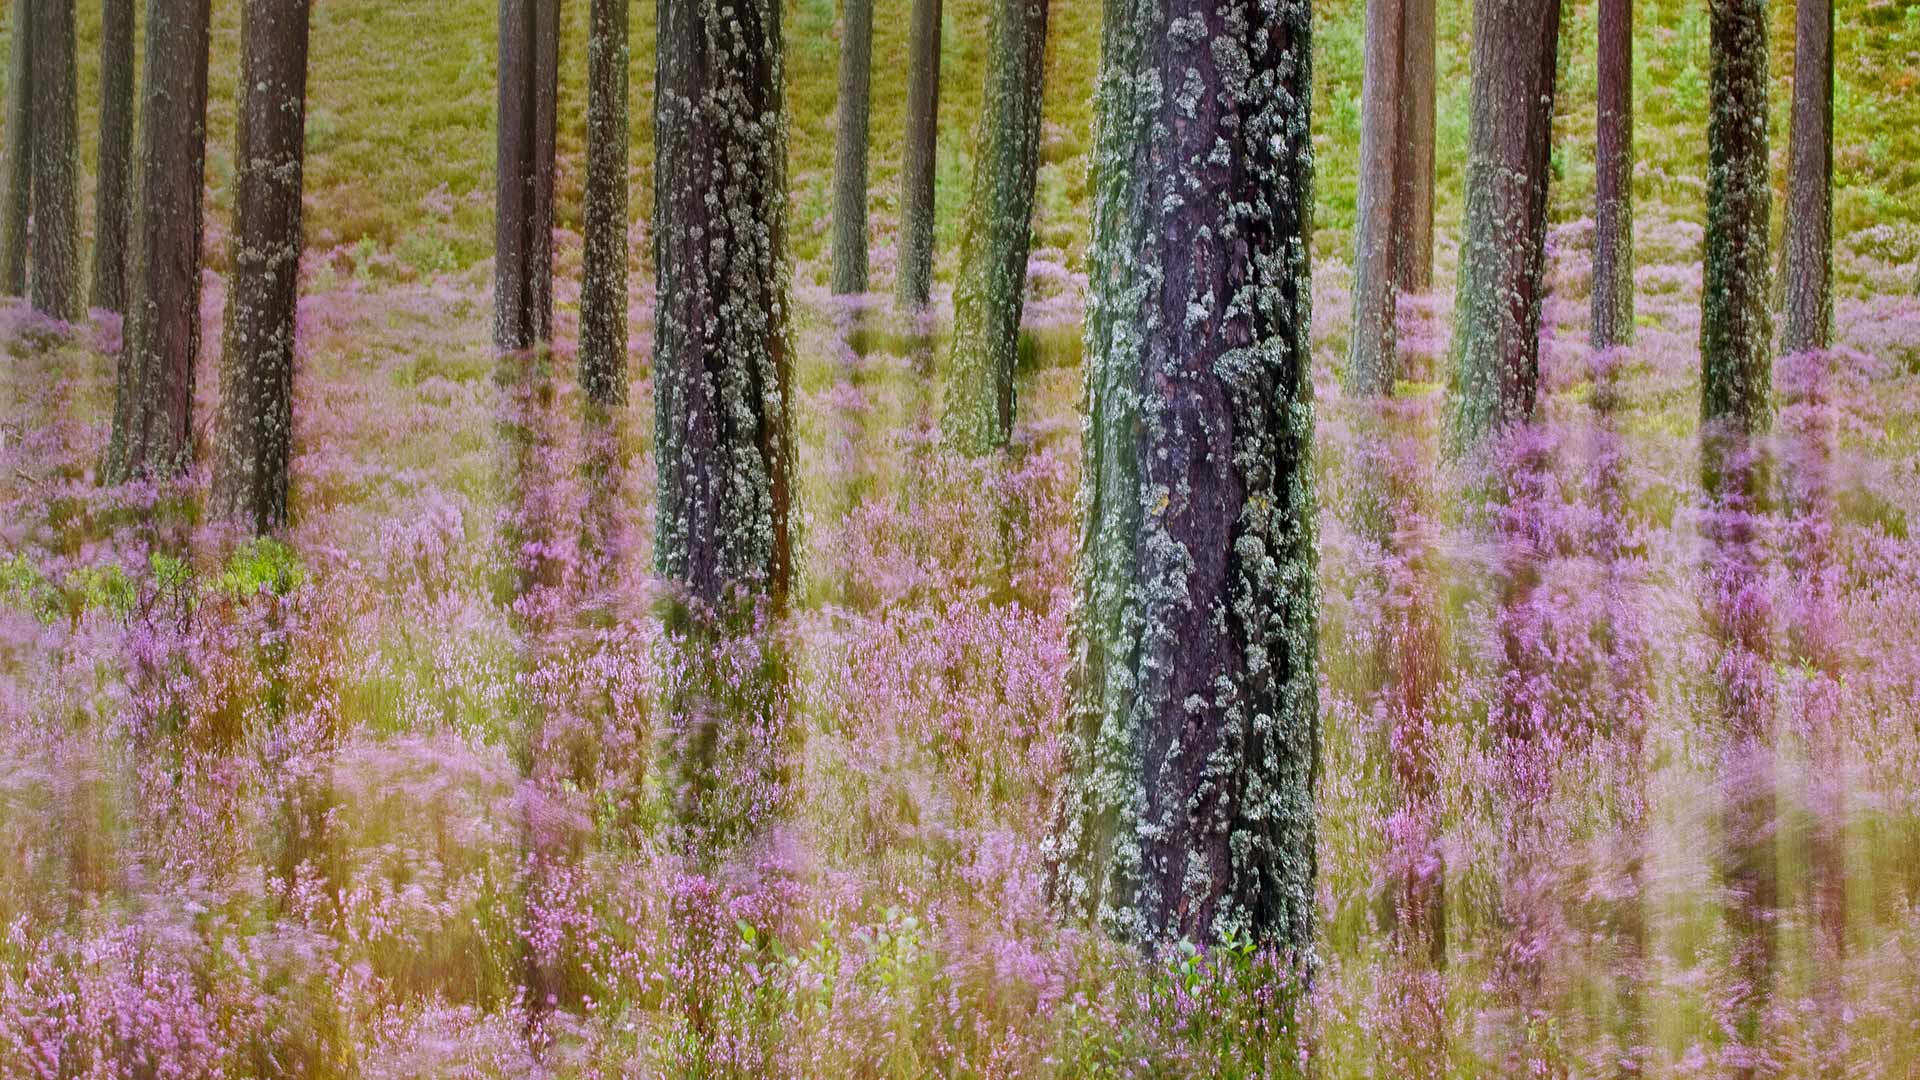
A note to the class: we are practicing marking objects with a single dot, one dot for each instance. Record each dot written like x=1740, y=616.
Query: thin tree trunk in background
x=19, y=165
x=723, y=375
x=54, y=272
x=1190, y=808
x=1807, y=318
x=991, y=293
x=1736, y=329
x=1613, y=179
x=153, y=398
x=546, y=133
x=256, y=377
x=1503, y=239
x=113, y=201
x=603, y=285
x=513, y=322
x=1414, y=154
x=1372, y=365
x=914, y=278
x=850, y=150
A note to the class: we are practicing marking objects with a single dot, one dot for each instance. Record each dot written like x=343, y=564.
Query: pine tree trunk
x=1613, y=179
x=1735, y=326
x=1372, y=363
x=1414, y=156
x=546, y=134
x=18, y=209
x=991, y=293
x=914, y=284
x=256, y=378
x=1503, y=241
x=603, y=286
x=54, y=274
x=112, y=201
x=1194, y=747
x=1807, y=320
x=722, y=370
x=153, y=400
x=513, y=323
x=850, y=150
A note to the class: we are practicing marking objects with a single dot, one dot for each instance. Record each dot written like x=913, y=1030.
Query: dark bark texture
x=153, y=398
x=1189, y=813
x=722, y=369
x=1372, y=365
x=913, y=283
x=850, y=149
x=1503, y=240
x=1613, y=179
x=523, y=224
x=113, y=189
x=1736, y=332
x=603, y=285
x=256, y=376
x=991, y=293
x=1414, y=151
x=1807, y=263
x=18, y=208
x=546, y=133
x=54, y=282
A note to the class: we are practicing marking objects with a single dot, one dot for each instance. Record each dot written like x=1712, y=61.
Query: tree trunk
x=991, y=292
x=603, y=286
x=1503, y=240
x=1414, y=156
x=546, y=133
x=523, y=223
x=1190, y=808
x=1735, y=326
x=54, y=280
x=153, y=399
x=1372, y=365
x=914, y=284
x=850, y=150
x=256, y=378
x=19, y=164
x=1613, y=179
x=1808, y=264
x=723, y=376
x=112, y=201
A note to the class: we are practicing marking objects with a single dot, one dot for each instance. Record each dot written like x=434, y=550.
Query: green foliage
x=261, y=565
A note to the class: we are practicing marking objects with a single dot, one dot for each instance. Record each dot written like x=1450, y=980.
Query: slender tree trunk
x=1414, y=154
x=112, y=201
x=1808, y=264
x=1735, y=326
x=18, y=209
x=991, y=293
x=54, y=276
x=546, y=133
x=723, y=376
x=1372, y=365
x=603, y=287
x=850, y=149
x=1613, y=180
x=523, y=225
x=256, y=377
x=914, y=284
x=1503, y=241
x=153, y=400
x=1190, y=808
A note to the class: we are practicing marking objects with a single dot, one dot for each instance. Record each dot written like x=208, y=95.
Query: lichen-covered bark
x=603, y=285
x=256, y=369
x=112, y=200
x=1503, y=239
x=913, y=282
x=18, y=207
x=1736, y=332
x=1612, y=322
x=722, y=369
x=153, y=396
x=850, y=149
x=1414, y=153
x=54, y=281
x=1807, y=262
x=1194, y=744
x=1372, y=364
x=977, y=416
x=523, y=223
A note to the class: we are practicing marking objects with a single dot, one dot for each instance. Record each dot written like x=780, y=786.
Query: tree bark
x=1808, y=263
x=112, y=201
x=723, y=376
x=54, y=282
x=546, y=135
x=153, y=399
x=18, y=210
x=603, y=287
x=1503, y=241
x=523, y=224
x=1189, y=813
x=914, y=284
x=1613, y=179
x=1372, y=363
x=256, y=379
x=1414, y=154
x=1735, y=326
x=850, y=149
x=991, y=292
